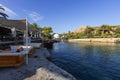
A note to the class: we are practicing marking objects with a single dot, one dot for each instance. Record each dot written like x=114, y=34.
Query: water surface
x=88, y=61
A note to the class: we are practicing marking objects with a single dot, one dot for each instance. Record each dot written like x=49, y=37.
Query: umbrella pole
x=26, y=41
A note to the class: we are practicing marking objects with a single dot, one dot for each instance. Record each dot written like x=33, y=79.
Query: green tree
x=97, y=32
x=3, y=14
x=89, y=31
x=106, y=31
x=106, y=28
x=47, y=32
x=36, y=26
x=37, y=29
x=117, y=31
x=70, y=34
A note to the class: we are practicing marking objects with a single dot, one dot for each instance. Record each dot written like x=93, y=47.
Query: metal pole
x=26, y=41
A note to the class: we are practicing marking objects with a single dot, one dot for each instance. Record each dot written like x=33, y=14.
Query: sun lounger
x=28, y=49
x=8, y=59
x=15, y=57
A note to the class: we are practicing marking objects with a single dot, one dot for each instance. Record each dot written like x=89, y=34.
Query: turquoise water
x=88, y=61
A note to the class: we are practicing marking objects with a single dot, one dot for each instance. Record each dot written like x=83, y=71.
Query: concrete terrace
x=39, y=68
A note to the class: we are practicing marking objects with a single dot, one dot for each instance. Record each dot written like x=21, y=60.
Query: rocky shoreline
x=39, y=68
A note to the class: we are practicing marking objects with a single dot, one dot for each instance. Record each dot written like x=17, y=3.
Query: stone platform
x=39, y=68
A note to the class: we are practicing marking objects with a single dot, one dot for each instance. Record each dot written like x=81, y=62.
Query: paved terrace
x=39, y=68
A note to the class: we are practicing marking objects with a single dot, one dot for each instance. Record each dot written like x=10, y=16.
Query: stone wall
x=105, y=40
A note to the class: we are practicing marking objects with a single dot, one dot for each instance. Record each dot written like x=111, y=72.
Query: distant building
x=56, y=36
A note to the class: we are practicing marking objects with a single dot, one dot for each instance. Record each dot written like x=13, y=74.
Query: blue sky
x=64, y=15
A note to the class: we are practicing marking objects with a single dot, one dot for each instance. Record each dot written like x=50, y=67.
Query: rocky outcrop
x=80, y=29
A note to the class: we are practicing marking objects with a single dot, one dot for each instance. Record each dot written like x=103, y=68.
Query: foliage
x=3, y=14
x=103, y=31
x=36, y=26
x=47, y=32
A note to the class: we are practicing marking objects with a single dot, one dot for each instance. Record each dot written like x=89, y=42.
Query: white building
x=56, y=36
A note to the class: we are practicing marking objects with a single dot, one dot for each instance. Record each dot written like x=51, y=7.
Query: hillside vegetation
x=104, y=31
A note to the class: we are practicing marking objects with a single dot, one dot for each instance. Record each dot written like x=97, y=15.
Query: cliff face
x=80, y=29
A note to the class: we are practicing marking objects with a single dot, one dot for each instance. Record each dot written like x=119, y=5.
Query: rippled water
x=88, y=61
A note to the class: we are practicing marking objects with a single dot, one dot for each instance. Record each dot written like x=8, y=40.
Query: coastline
x=39, y=68
x=101, y=40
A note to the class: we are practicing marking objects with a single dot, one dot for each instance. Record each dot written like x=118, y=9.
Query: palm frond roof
x=18, y=24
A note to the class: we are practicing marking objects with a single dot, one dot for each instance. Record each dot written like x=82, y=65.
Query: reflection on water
x=88, y=61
